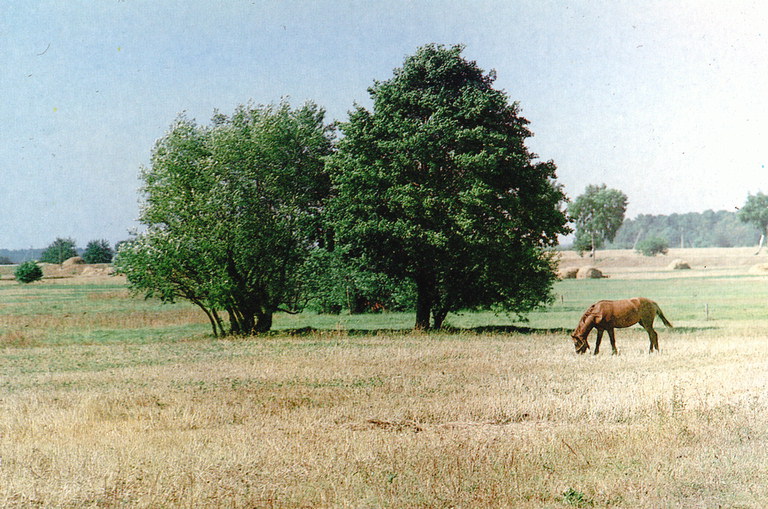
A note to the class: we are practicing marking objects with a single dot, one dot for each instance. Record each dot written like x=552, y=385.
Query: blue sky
x=666, y=101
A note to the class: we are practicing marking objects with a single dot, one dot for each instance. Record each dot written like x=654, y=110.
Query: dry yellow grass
x=402, y=421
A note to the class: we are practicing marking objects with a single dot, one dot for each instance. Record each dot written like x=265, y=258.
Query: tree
x=436, y=186
x=232, y=213
x=598, y=214
x=58, y=251
x=755, y=211
x=98, y=251
x=28, y=272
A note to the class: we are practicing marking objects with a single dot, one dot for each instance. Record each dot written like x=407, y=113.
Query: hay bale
x=589, y=273
x=569, y=273
x=678, y=264
x=97, y=271
x=75, y=260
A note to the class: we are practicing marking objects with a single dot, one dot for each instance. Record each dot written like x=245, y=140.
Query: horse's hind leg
x=597, y=341
x=653, y=337
x=612, y=337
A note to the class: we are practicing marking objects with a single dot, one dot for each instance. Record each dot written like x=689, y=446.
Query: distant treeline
x=694, y=229
x=8, y=256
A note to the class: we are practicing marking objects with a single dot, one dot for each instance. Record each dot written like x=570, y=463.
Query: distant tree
x=232, y=211
x=755, y=211
x=436, y=186
x=652, y=246
x=28, y=272
x=4, y=260
x=58, y=251
x=598, y=214
x=98, y=251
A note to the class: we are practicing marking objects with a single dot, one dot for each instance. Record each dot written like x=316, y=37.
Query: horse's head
x=579, y=343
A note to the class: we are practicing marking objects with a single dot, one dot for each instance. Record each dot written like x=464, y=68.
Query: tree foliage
x=755, y=211
x=232, y=213
x=98, y=251
x=435, y=186
x=652, y=246
x=59, y=251
x=598, y=214
x=28, y=272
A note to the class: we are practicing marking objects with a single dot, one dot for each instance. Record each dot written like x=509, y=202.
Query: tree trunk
x=235, y=326
x=760, y=244
x=423, y=303
x=438, y=317
x=263, y=322
x=210, y=316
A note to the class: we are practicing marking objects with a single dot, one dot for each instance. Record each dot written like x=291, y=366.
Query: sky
x=665, y=100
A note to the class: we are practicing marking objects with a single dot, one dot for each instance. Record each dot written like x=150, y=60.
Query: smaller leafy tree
x=755, y=211
x=598, y=214
x=98, y=251
x=28, y=272
x=652, y=246
x=58, y=251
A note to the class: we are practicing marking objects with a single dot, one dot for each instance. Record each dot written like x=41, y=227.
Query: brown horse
x=606, y=315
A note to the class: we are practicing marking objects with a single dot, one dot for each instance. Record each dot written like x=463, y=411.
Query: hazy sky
x=667, y=101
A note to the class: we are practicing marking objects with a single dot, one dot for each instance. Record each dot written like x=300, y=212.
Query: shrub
x=652, y=246
x=28, y=272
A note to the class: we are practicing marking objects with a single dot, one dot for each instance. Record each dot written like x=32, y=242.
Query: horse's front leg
x=612, y=337
x=597, y=341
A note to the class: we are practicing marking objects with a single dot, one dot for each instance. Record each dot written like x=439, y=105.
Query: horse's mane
x=580, y=327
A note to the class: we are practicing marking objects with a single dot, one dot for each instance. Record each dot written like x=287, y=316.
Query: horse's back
x=621, y=313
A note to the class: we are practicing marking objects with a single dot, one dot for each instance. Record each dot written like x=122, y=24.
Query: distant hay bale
x=760, y=268
x=678, y=264
x=589, y=273
x=75, y=260
x=569, y=273
x=98, y=271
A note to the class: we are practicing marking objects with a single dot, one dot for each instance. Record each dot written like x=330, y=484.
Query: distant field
x=108, y=400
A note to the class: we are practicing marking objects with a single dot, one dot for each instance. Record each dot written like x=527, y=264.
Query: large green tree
x=232, y=212
x=59, y=250
x=755, y=212
x=598, y=214
x=98, y=251
x=436, y=185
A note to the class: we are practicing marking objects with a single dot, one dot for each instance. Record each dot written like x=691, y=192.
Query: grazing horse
x=606, y=315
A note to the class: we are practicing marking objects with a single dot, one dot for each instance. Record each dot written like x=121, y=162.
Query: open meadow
x=109, y=400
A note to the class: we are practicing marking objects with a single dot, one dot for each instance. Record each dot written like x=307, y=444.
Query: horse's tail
x=661, y=315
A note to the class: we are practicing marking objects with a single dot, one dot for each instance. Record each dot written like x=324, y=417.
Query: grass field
x=112, y=401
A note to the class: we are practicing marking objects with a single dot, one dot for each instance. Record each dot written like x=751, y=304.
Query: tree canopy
x=98, y=251
x=232, y=212
x=755, y=212
x=58, y=251
x=436, y=185
x=598, y=214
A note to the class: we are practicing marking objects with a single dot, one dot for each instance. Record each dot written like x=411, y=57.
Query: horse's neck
x=584, y=327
